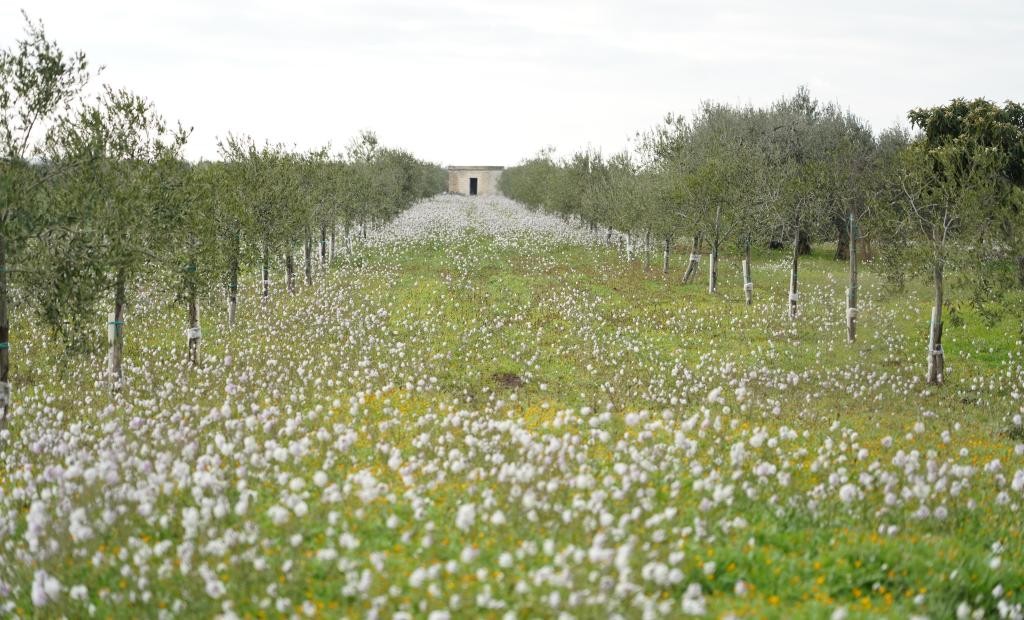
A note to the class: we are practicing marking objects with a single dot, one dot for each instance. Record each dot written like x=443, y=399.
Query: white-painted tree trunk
x=694, y=264
x=748, y=282
x=936, y=358
x=794, y=295
x=851, y=292
x=115, y=335
x=5, y=333
x=193, y=333
x=713, y=268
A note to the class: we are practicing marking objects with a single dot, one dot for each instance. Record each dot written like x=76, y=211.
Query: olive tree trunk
x=851, y=293
x=193, y=333
x=936, y=360
x=713, y=267
x=307, y=252
x=323, y=245
x=748, y=283
x=691, y=267
x=794, y=295
x=233, y=293
x=266, y=272
x=233, y=267
x=115, y=333
x=5, y=333
x=289, y=271
x=647, y=249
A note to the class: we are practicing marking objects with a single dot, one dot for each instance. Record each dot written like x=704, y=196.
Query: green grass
x=577, y=327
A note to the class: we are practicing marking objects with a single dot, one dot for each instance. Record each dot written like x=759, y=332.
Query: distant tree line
x=97, y=200
x=948, y=196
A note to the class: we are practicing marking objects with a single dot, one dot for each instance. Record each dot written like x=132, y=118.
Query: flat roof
x=476, y=167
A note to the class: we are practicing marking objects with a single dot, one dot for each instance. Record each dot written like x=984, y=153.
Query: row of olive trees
x=97, y=201
x=800, y=171
x=728, y=176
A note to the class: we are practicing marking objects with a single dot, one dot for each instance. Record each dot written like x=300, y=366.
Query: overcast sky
x=481, y=82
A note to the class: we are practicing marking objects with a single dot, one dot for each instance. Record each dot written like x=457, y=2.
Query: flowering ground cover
x=485, y=411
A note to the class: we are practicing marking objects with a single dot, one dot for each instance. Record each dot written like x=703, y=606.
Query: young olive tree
x=647, y=212
x=122, y=138
x=39, y=83
x=624, y=200
x=265, y=184
x=757, y=190
x=661, y=151
x=192, y=251
x=230, y=210
x=713, y=182
x=845, y=183
x=679, y=189
x=324, y=207
x=530, y=182
x=294, y=208
x=798, y=142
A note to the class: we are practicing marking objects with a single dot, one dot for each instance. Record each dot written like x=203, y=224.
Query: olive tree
x=798, y=141
x=191, y=248
x=757, y=190
x=845, y=186
x=983, y=124
x=946, y=208
x=714, y=180
x=122, y=140
x=39, y=83
x=230, y=210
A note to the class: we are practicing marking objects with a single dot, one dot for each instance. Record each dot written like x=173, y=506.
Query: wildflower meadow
x=486, y=411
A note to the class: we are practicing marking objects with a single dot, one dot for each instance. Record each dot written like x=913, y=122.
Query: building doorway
x=472, y=186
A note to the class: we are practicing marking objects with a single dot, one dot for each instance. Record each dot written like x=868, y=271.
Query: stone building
x=474, y=180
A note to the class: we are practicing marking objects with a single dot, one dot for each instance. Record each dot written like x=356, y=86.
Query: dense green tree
x=974, y=127
x=952, y=202
x=938, y=211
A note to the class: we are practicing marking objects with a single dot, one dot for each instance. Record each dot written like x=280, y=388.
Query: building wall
x=486, y=185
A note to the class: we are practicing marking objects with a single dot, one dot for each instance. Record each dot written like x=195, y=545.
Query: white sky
x=480, y=82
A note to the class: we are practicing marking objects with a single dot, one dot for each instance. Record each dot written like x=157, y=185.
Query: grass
x=412, y=348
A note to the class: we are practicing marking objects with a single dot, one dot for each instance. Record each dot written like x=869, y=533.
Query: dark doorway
x=472, y=186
